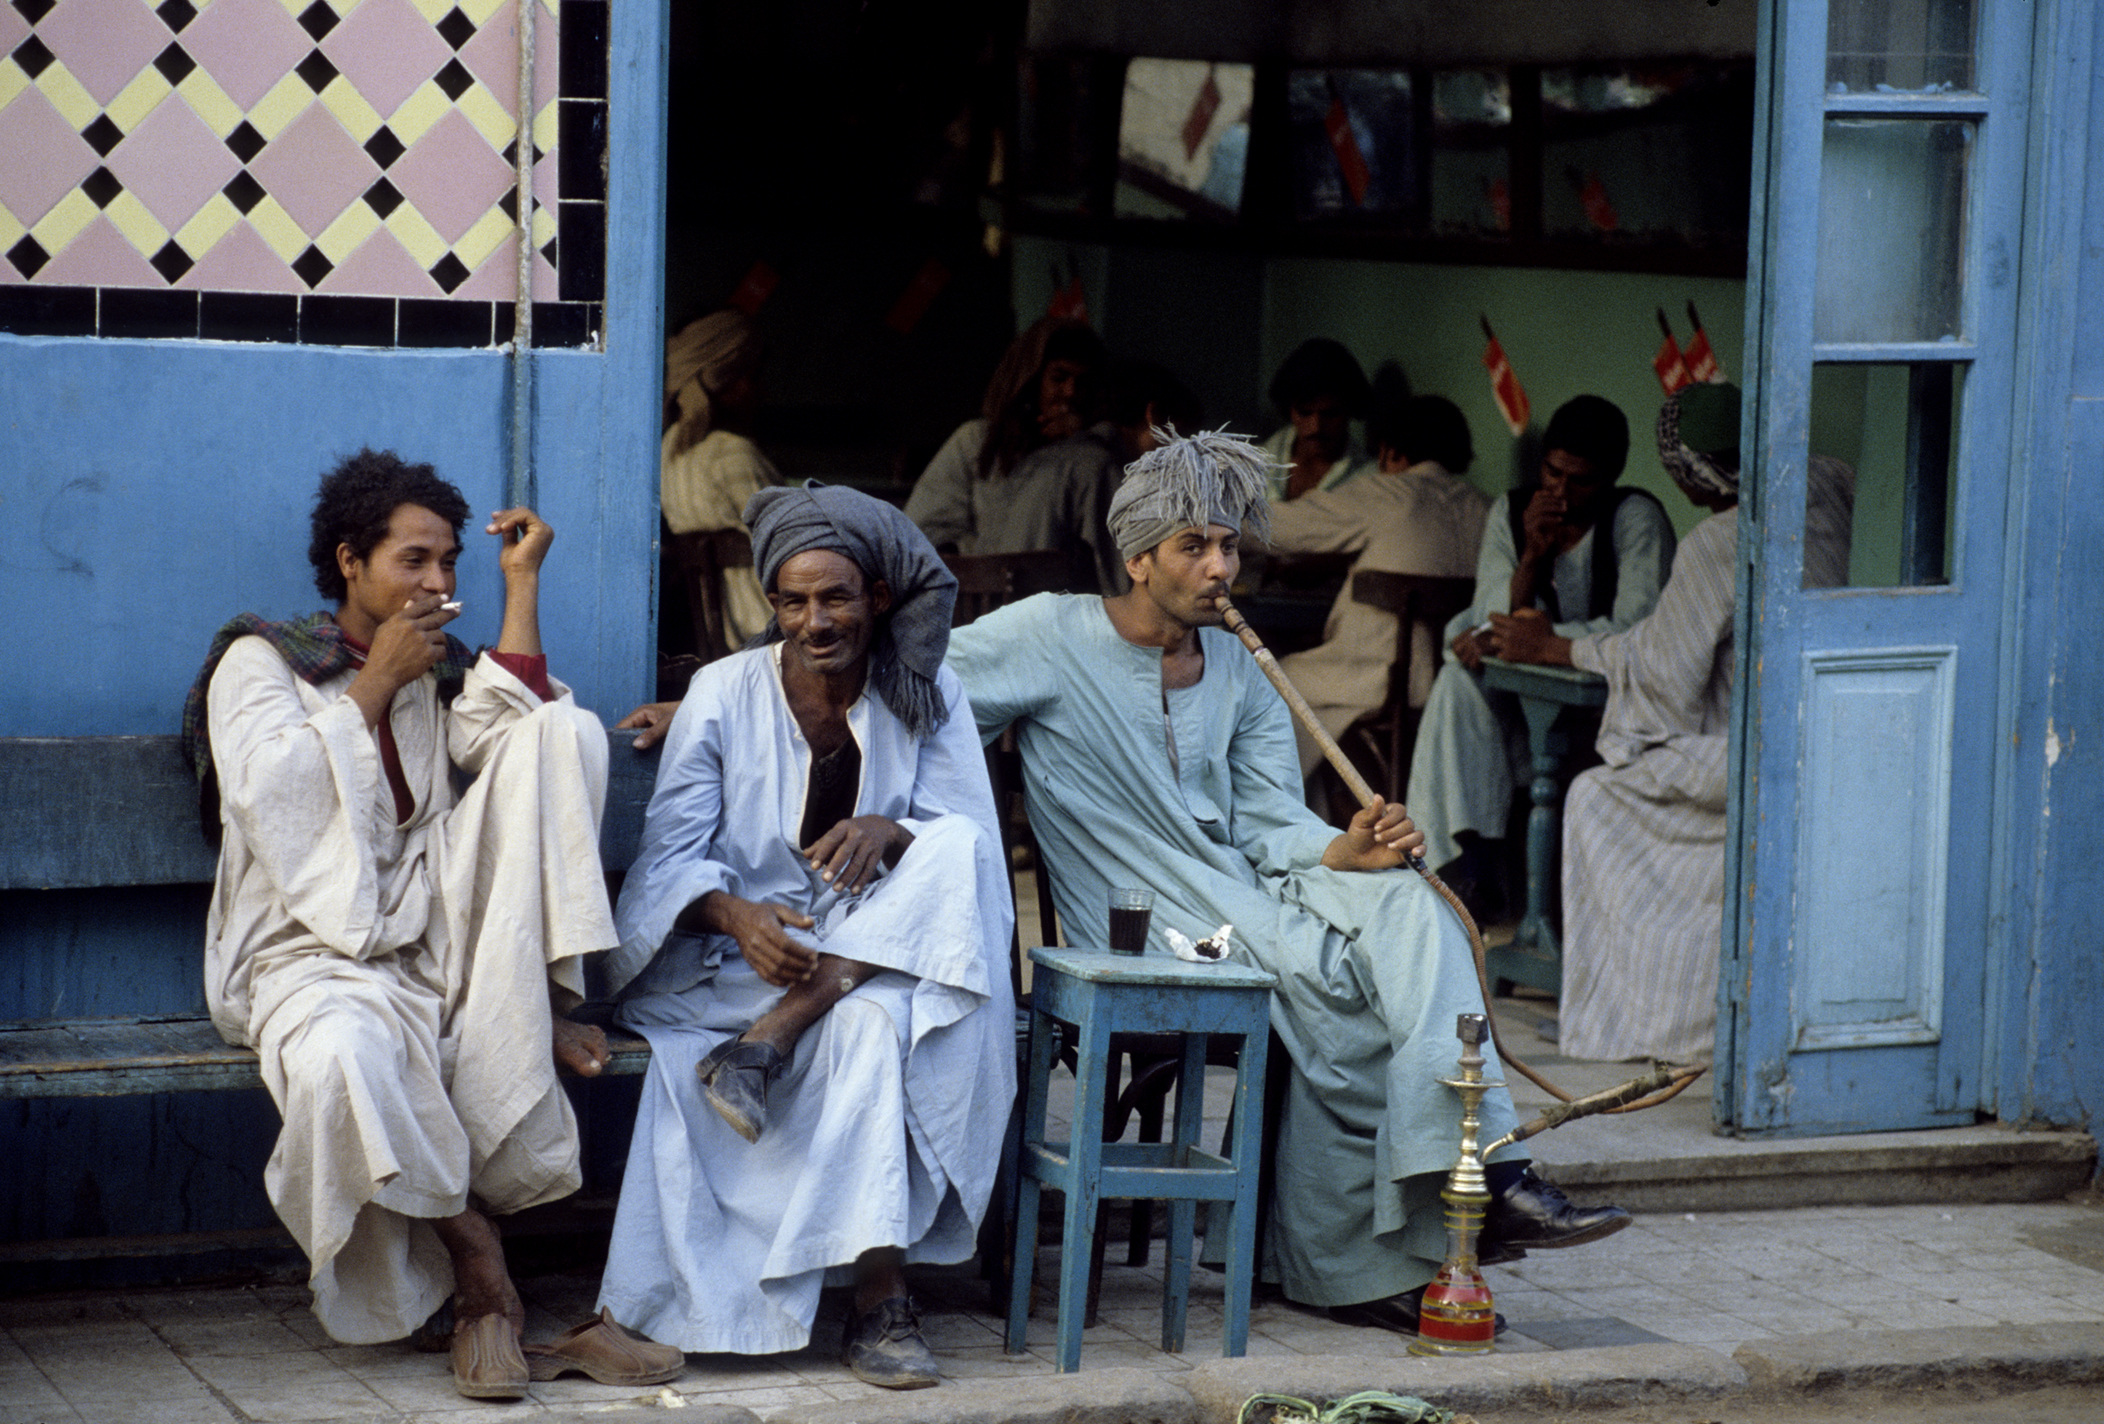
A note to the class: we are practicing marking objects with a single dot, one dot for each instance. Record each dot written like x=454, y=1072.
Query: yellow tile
x=74, y=104
x=350, y=108
x=57, y=228
x=433, y=10
x=286, y=101
x=543, y=227
x=419, y=112
x=341, y=238
x=12, y=81
x=487, y=115
x=208, y=101
x=480, y=10
x=139, y=98
x=11, y=228
x=140, y=227
x=418, y=238
x=544, y=128
x=479, y=241
x=293, y=7
x=278, y=229
x=212, y=222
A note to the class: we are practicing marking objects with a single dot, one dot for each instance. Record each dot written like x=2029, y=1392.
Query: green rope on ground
x=1373, y=1406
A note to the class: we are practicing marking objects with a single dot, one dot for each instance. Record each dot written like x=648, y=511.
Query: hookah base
x=1457, y=1317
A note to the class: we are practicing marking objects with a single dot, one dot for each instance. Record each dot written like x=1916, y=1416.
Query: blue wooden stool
x=1101, y=993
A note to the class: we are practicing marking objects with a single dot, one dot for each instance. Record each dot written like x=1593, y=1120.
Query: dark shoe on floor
x=1399, y=1313
x=734, y=1077
x=885, y=1347
x=609, y=1352
x=1534, y=1215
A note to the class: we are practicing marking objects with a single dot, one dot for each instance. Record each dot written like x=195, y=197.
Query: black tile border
x=280, y=318
x=581, y=232
x=582, y=31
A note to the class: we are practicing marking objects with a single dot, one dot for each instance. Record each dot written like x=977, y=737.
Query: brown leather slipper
x=609, y=1352
x=734, y=1078
x=487, y=1363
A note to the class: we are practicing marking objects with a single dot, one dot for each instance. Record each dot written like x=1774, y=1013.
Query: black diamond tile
x=248, y=316
x=454, y=79
x=102, y=135
x=429, y=323
x=347, y=321
x=456, y=29
x=509, y=203
x=35, y=10
x=580, y=148
x=449, y=272
x=583, y=267
x=317, y=20
x=243, y=191
x=316, y=70
x=384, y=148
x=28, y=255
x=32, y=56
x=139, y=313
x=176, y=14
x=245, y=141
x=383, y=197
x=101, y=186
x=174, y=63
x=312, y=266
x=172, y=262
x=47, y=311
x=552, y=253
x=583, y=40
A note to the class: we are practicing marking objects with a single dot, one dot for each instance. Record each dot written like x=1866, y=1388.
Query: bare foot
x=581, y=1048
x=481, y=1283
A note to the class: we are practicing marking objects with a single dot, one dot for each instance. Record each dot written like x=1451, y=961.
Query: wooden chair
x=700, y=560
x=987, y=581
x=1380, y=742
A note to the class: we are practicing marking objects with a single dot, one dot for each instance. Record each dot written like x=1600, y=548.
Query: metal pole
x=520, y=489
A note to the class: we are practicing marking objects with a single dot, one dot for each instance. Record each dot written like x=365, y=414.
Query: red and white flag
x=1504, y=382
x=1345, y=144
x=1599, y=209
x=1200, y=119
x=1701, y=361
x=1672, y=371
x=920, y=294
x=1069, y=303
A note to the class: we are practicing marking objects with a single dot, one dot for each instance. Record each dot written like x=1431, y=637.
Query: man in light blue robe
x=1155, y=754
x=814, y=938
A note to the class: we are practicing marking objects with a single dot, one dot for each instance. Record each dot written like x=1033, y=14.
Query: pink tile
x=386, y=49
x=314, y=169
x=497, y=279
x=246, y=46
x=45, y=159
x=492, y=56
x=13, y=29
x=380, y=268
x=545, y=286
x=104, y=43
x=100, y=257
x=545, y=187
x=241, y=262
x=452, y=175
x=173, y=163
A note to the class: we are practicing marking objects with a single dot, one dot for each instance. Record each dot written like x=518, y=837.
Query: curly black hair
x=356, y=501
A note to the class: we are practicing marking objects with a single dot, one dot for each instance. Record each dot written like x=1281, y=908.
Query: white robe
x=885, y=1128
x=705, y=487
x=1472, y=745
x=395, y=979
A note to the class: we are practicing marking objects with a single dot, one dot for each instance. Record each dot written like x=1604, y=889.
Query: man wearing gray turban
x=814, y=938
x=1156, y=754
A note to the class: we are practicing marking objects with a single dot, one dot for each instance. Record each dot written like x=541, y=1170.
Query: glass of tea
x=1130, y=911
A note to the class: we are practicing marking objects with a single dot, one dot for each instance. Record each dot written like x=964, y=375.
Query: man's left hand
x=1528, y=637
x=526, y=539
x=1380, y=837
x=849, y=854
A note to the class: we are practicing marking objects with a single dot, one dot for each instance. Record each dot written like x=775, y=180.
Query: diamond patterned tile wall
x=310, y=150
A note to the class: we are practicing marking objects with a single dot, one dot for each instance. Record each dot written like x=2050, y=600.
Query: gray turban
x=912, y=638
x=1208, y=478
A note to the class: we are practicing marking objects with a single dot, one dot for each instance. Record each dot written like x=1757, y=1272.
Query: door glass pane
x=1880, y=46
x=1356, y=144
x=1656, y=152
x=1892, y=229
x=1879, y=487
x=1183, y=138
x=1471, y=152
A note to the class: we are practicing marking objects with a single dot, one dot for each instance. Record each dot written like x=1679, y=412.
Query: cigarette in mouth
x=1483, y=627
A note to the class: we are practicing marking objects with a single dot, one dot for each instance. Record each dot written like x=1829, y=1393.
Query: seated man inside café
x=1035, y=469
x=1156, y=754
x=1320, y=390
x=1643, y=848
x=814, y=938
x=708, y=465
x=1416, y=516
x=1590, y=554
x=398, y=956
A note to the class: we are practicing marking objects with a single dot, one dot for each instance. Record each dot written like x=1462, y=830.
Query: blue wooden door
x=1881, y=312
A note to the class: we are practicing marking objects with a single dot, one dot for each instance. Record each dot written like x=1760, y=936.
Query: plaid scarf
x=315, y=649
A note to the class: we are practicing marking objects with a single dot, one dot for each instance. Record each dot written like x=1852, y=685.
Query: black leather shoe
x=1399, y=1313
x=886, y=1348
x=1534, y=1215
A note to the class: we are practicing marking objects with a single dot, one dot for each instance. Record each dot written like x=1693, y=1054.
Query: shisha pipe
x=1659, y=1087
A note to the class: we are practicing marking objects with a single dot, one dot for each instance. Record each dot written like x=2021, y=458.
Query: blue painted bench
x=89, y=813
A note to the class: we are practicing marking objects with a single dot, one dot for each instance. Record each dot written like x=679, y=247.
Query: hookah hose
x=1661, y=1088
